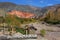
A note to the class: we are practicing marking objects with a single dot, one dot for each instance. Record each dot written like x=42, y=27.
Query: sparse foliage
x=42, y=32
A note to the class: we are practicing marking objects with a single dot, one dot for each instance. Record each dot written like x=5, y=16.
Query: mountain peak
x=6, y=3
x=3, y=4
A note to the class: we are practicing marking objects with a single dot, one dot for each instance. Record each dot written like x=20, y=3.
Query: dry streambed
x=52, y=31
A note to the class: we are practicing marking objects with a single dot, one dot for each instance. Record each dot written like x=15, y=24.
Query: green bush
x=21, y=30
x=42, y=32
x=53, y=22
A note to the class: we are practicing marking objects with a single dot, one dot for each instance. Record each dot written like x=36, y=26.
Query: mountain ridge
x=7, y=6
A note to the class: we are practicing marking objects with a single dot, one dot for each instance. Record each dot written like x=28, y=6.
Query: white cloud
x=41, y=1
x=49, y=4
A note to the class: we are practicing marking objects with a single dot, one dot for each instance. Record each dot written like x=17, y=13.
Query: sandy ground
x=52, y=34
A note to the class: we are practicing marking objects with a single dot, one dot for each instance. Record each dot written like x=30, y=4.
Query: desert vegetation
x=42, y=32
x=52, y=16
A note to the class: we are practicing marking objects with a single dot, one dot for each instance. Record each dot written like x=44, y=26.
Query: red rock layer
x=22, y=14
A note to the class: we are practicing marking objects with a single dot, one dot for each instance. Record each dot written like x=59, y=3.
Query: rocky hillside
x=7, y=7
x=22, y=14
x=52, y=14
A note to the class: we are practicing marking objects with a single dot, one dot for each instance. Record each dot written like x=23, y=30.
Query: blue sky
x=38, y=3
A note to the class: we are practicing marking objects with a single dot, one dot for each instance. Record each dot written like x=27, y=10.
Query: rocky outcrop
x=21, y=14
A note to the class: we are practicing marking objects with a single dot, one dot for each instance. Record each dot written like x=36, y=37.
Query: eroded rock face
x=21, y=14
